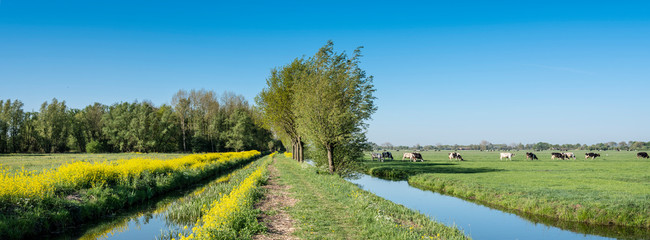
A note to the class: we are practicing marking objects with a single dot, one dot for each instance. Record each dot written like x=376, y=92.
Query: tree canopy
x=325, y=99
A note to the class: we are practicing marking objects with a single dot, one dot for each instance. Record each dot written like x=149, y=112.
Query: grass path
x=328, y=207
x=274, y=207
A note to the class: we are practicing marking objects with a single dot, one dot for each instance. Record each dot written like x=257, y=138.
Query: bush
x=95, y=147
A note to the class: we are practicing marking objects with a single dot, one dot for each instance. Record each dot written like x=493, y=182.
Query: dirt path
x=274, y=204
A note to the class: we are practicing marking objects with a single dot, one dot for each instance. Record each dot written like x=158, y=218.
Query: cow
x=507, y=155
x=408, y=156
x=531, y=156
x=569, y=155
x=455, y=155
x=386, y=155
x=591, y=155
x=417, y=156
x=557, y=155
x=377, y=156
x=642, y=155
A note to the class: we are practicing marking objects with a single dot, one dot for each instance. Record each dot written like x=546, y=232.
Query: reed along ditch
x=482, y=222
x=160, y=218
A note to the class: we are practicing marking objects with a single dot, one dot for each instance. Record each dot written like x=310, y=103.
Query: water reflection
x=481, y=222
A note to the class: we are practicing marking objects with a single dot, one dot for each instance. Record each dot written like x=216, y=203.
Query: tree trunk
x=301, y=145
x=294, y=149
x=183, y=129
x=330, y=161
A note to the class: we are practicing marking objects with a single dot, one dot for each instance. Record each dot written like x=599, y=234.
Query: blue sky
x=445, y=71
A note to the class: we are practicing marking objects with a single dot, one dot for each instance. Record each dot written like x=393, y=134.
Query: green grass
x=329, y=207
x=611, y=190
x=40, y=162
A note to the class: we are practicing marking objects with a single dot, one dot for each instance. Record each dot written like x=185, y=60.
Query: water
x=478, y=221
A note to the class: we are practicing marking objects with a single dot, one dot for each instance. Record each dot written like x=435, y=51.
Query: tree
x=240, y=135
x=332, y=102
x=276, y=103
x=53, y=126
x=387, y=145
x=181, y=104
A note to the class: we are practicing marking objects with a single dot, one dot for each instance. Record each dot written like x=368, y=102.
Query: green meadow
x=613, y=189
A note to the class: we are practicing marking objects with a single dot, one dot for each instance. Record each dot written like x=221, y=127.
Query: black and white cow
x=455, y=155
x=591, y=155
x=417, y=156
x=642, y=155
x=569, y=155
x=531, y=156
x=387, y=155
x=557, y=155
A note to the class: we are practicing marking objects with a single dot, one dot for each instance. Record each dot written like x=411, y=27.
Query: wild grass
x=232, y=215
x=187, y=210
x=329, y=207
x=611, y=190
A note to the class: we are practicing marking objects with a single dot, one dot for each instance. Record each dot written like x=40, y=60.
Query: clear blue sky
x=445, y=71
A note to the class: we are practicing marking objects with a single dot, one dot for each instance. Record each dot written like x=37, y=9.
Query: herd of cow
x=414, y=156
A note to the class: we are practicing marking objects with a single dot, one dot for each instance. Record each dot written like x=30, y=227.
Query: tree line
x=320, y=104
x=196, y=121
x=540, y=146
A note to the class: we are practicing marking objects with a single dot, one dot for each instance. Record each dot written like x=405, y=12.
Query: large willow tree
x=332, y=104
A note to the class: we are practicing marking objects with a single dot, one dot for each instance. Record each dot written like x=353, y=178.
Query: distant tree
x=54, y=126
x=387, y=145
x=117, y=121
x=240, y=135
x=181, y=104
x=78, y=138
x=332, y=104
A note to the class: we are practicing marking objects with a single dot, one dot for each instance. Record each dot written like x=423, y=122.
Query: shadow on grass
x=401, y=170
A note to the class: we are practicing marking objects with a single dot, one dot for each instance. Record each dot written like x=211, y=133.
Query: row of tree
x=321, y=102
x=540, y=146
x=195, y=122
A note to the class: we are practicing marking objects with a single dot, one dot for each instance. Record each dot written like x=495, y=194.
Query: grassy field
x=329, y=207
x=40, y=162
x=613, y=189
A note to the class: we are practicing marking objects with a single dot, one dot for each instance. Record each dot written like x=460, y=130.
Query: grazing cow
x=557, y=155
x=386, y=155
x=642, y=155
x=417, y=156
x=569, y=155
x=591, y=155
x=531, y=156
x=455, y=155
x=507, y=155
x=377, y=156
x=408, y=156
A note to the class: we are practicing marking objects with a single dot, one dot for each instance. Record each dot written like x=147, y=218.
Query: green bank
x=329, y=207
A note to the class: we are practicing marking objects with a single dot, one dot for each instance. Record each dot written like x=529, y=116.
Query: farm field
x=40, y=162
x=613, y=189
x=329, y=207
x=55, y=199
